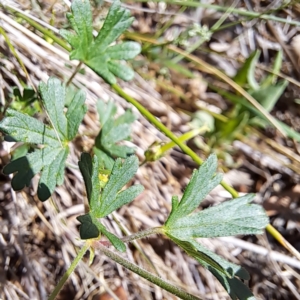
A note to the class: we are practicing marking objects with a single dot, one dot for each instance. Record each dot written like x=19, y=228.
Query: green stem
x=157, y=150
x=133, y=237
x=142, y=234
x=145, y=274
x=135, y=243
x=185, y=137
x=70, y=270
x=74, y=73
x=187, y=150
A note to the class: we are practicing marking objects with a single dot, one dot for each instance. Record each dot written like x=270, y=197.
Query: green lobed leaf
x=97, y=53
x=87, y=230
x=229, y=274
x=27, y=166
x=50, y=157
x=101, y=69
x=116, y=242
x=116, y=22
x=81, y=21
x=112, y=132
x=120, y=70
x=52, y=175
x=231, y=269
x=123, y=198
x=103, y=202
x=234, y=287
x=125, y=51
x=53, y=98
x=105, y=161
x=201, y=183
x=106, y=111
x=24, y=128
x=127, y=118
x=89, y=169
x=232, y=217
x=121, y=174
x=76, y=111
x=229, y=218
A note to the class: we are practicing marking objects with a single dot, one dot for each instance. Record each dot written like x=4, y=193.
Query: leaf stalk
x=145, y=274
x=69, y=271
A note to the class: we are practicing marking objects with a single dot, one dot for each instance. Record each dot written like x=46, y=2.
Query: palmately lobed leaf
x=97, y=53
x=120, y=70
x=106, y=111
x=116, y=22
x=232, y=217
x=113, y=131
x=121, y=174
x=237, y=216
x=201, y=183
x=102, y=203
x=127, y=118
x=81, y=21
x=50, y=157
x=27, y=166
x=124, y=197
x=112, y=134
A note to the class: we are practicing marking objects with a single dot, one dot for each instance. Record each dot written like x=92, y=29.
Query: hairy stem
x=68, y=273
x=145, y=274
x=134, y=242
x=133, y=237
x=142, y=234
